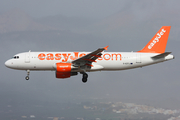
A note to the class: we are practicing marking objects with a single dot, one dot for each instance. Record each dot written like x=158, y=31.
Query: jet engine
x=63, y=70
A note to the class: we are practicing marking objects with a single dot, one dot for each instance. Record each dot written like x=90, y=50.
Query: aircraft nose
x=7, y=63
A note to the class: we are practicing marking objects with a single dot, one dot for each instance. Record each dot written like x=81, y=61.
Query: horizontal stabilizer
x=163, y=55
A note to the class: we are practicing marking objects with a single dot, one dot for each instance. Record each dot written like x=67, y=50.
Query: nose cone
x=8, y=64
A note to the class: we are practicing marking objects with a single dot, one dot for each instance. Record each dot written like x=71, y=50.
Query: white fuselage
x=108, y=61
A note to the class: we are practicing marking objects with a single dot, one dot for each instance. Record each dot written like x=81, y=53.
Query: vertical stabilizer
x=158, y=43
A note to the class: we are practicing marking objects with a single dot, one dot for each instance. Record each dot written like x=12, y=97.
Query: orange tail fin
x=158, y=43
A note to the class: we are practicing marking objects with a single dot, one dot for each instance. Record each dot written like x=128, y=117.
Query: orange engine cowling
x=63, y=67
x=63, y=70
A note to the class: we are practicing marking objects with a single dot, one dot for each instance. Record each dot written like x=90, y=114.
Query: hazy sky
x=90, y=8
x=39, y=8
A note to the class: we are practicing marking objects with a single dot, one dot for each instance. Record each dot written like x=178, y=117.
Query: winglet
x=106, y=47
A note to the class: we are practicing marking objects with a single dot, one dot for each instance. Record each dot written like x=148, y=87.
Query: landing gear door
x=27, y=57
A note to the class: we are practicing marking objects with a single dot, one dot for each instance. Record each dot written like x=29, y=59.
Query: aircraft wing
x=89, y=58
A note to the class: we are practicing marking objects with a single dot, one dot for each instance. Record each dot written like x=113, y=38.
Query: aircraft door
x=138, y=58
x=27, y=57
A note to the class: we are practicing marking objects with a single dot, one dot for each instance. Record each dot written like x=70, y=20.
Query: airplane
x=67, y=64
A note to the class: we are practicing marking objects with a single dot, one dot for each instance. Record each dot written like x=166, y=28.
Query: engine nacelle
x=63, y=70
x=63, y=67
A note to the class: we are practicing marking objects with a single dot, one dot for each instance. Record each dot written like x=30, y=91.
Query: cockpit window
x=16, y=57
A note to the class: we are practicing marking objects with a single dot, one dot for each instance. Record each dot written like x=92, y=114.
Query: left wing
x=89, y=58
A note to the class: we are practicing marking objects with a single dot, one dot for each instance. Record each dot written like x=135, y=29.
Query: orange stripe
x=90, y=60
x=89, y=65
x=96, y=55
